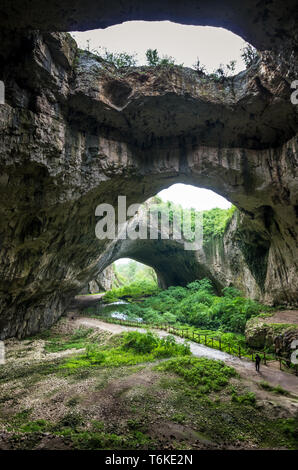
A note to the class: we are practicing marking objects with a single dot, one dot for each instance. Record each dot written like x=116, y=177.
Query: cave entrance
x=130, y=271
x=206, y=48
x=164, y=261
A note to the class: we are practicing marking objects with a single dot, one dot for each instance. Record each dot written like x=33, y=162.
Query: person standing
x=258, y=360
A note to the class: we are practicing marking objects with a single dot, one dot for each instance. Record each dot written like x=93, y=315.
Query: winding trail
x=244, y=367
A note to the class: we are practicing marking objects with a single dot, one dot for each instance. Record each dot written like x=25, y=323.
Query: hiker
x=258, y=360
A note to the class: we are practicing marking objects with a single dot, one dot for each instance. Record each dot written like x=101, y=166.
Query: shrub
x=250, y=55
x=154, y=60
x=150, y=343
x=248, y=398
x=206, y=375
x=139, y=342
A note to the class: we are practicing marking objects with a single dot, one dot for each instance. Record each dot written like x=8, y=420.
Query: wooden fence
x=214, y=342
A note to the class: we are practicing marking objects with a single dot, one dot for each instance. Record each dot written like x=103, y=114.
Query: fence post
x=205, y=340
x=239, y=352
x=279, y=363
x=265, y=363
x=212, y=342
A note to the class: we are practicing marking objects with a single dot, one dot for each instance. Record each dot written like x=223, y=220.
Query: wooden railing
x=214, y=342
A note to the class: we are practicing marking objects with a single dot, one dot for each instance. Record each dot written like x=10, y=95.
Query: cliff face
x=221, y=259
x=75, y=133
x=102, y=282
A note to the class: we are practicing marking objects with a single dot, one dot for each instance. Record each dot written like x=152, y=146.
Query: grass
x=134, y=348
x=205, y=375
x=278, y=389
x=203, y=396
x=77, y=340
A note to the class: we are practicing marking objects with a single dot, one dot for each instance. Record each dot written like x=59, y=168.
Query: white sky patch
x=213, y=46
x=190, y=196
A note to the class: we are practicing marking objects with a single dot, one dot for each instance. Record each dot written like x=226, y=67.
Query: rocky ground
x=45, y=406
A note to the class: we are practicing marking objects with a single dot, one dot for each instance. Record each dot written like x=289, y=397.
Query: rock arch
x=70, y=141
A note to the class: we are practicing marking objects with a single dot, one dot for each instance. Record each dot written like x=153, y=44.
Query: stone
x=76, y=132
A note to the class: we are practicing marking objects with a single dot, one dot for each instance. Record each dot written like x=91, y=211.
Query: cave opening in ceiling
x=205, y=48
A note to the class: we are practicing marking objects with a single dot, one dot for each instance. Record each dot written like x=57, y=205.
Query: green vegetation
x=278, y=389
x=215, y=221
x=154, y=60
x=205, y=375
x=75, y=341
x=142, y=404
x=196, y=305
x=117, y=59
x=133, y=291
x=134, y=348
x=133, y=272
x=123, y=59
x=248, y=398
x=250, y=55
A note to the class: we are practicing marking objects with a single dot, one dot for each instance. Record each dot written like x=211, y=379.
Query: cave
x=74, y=135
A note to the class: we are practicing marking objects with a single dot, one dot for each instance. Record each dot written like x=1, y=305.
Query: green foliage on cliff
x=215, y=221
x=153, y=59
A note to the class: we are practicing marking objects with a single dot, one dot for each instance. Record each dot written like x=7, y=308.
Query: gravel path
x=244, y=367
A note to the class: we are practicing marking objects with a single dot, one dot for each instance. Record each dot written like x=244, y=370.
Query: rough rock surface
x=263, y=332
x=265, y=24
x=75, y=132
x=102, y=282
x=220, y=260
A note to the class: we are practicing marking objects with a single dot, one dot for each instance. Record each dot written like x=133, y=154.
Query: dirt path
x=83, y=301
x=245, y=368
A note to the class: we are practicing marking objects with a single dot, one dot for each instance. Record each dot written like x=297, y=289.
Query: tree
x=152, y=57
x=250, y=55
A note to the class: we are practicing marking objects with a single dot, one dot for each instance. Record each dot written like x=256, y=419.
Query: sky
x=190, y=196
x=185, y=43
x=213, y=46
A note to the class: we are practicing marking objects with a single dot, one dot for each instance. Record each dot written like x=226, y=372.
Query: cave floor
x=269, y=373
x=129, y=407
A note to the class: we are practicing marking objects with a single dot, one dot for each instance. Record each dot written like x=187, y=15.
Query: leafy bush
x=206, y=375
x=250, y=55
x=248, y=398
x=139, y=342
x=135, y=347
x=150, y=343
x=198, y=306
x=154, y=60
x=135, y=290
x=117, y=59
